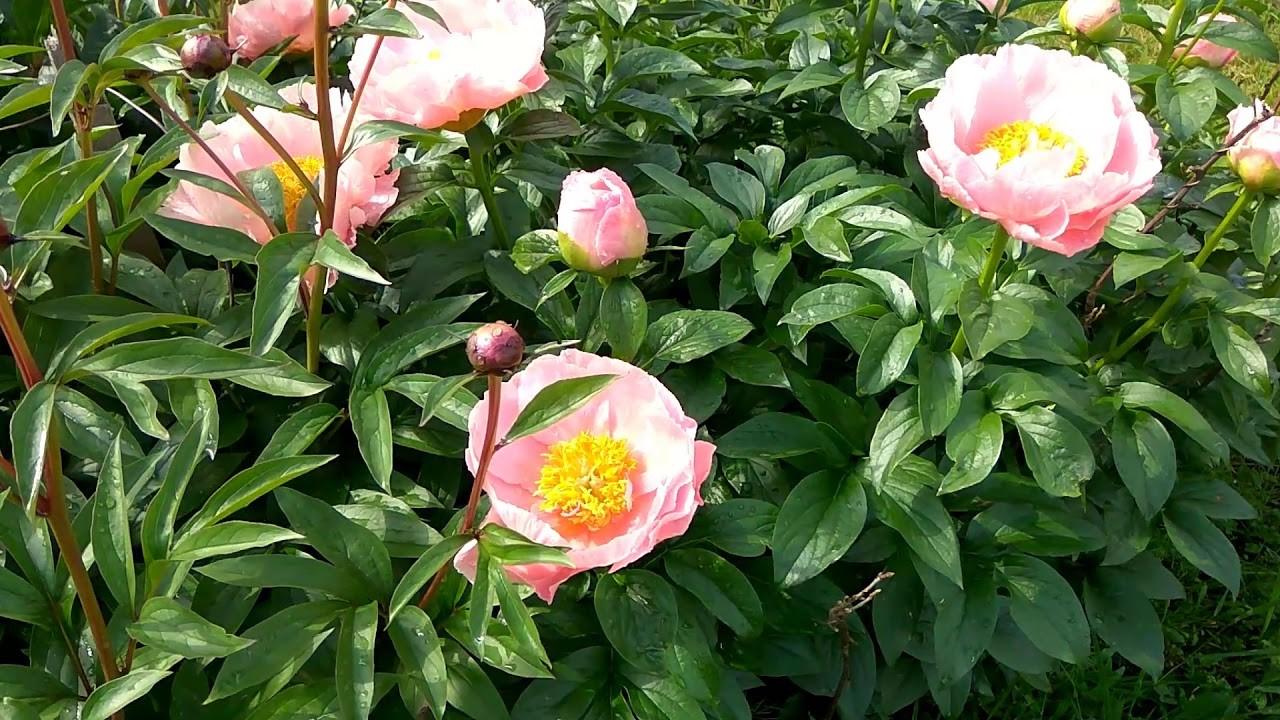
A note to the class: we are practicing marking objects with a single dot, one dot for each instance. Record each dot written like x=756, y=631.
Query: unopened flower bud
x=1204, y=52
x=1097, y=20
x=1255, y=154
x=494, y=348
x=204, y=56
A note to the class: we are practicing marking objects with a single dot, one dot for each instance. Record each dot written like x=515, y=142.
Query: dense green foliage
x=258, y=535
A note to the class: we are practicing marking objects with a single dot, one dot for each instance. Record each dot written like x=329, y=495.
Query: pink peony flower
x=1255, y=157
x=257, y=26
x=1098, y=20
x=490, y=54
x=609, y=482
x=996, y=7
x=601, y=229
x=1205, y=52
x=366, y=189
x=1047, y=144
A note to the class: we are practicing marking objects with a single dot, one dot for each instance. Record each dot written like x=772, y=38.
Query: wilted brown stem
x=838, y=619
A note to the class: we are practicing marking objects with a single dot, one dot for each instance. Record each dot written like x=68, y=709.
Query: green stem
x=483, y=174
x=1196, y=38
x=1171, y=301
x=1168, y=40
x=315, y=312
x=888, y=36
x=986, y=280
x=93, y=232
x=864, y=41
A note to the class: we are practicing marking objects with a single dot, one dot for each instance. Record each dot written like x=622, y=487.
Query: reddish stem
x=359, y=91
x=62, y=24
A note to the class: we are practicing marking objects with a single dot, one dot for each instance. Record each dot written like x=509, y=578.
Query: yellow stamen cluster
x=587, y=480
x=291, y=188
x=1014, y=139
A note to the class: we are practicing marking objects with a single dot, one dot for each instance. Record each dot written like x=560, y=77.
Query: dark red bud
x=204, y=56
x=494, y=348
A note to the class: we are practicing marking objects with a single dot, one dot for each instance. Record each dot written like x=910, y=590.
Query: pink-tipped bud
x=1255, y=154
x=495, y=348
x=204, y=56
x=1097, y=20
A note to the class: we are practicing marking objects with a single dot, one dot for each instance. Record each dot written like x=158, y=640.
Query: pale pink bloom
x=1256, y=157
x=366, y=186
x=259, y=25
x=1205, y=52
x=1098, y=20
x=1046, y=143
x=600, y=225
x=490, y=54
x=998, y=7
x=608, y=482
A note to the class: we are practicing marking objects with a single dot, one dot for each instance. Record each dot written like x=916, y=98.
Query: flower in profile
x=1204, y=52
x=601, y=229
x=1048, y=144
x=257, y=26
x=366, y=186
x=488, y=53
x=608, y=482
x=1256, y=156
x=1097, y=20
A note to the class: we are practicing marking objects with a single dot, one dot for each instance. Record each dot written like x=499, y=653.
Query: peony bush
x=610, y=359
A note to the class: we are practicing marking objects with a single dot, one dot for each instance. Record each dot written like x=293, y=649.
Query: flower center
x=587, y=479
x=291, y=188
x=1015, y=139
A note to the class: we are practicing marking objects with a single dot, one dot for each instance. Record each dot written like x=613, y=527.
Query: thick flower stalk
x=601, y=228
x=489, y=54
x=1047, y=144
x=609, y=482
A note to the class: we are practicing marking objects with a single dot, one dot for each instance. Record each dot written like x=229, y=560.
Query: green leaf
x=223, y=244
x=299, y=431
x=252, y=87
x=721, y=587
x=1057, y=452
x=354, y=664
x=703, y=250
x=288, y=571
x=990, y=322
x=686, y=335
x=441, y=394
x=422, y=570
x=20, y=682
x=113, y=696
x=250, y=484
x=1240, y=356
x=66, y=85
x=555, y=402
x=281, y=264
x=371, y=421
x=29, y=433
x=894, y=289
x=142, y=406
x=869, y=107
x=739, y=526
x=416, y=642
x=333, y=253
x=1131, y=266
x=282, y=643
x=624, y=317
x=940, y=390
x=167, y=625
x=1045, y=607
x=817, y=524
x=775, y=435
x=1145, y=396
x=226, y=538
x=638, y=613
x=898, y=432
x=829, y=303
x=511, y=548
x=1265, y=231
x=162, y=512
x=58, y=197
x=1203, y=545
x=518, y=618
x=112, y=547
x=286, y=378
x=483, y=598
x=1186, y=105
x=740, y=189
x=20, y=601
x=647, y=61
x=825, y=236
x=965, y=624
x=535, y=249
x=24, y=97
x=470, y=689
x=341, y=541
x=886, y=354
x=149, y=30
x=411, y=337
x=974, y=442
x=1242, y=36
x=907, y=501
x=1125, y=620
x=1145, y=458
x=105, y=332
x=752, y=365
x=180, y=357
